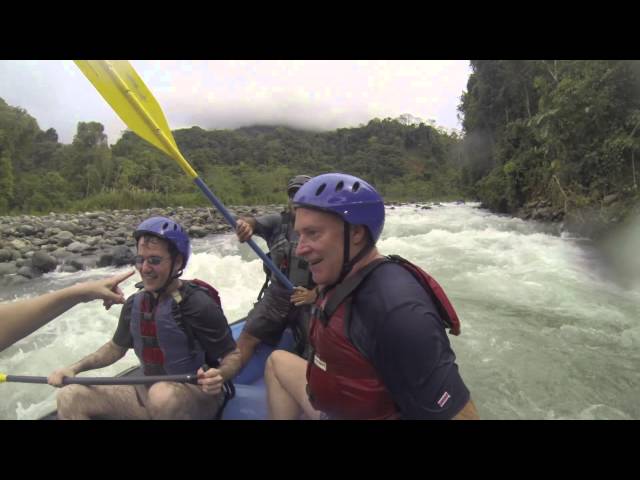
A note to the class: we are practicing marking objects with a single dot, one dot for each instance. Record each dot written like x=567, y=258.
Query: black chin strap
x=347, y=265
x=170, y=278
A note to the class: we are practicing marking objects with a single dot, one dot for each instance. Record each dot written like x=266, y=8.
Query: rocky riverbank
x=594, y=222
x=31, y=246
x=68, y=242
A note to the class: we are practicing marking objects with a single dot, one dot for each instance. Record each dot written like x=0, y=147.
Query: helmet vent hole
x=339, y=186
x=175, y=227
x=321, y=189
x=355, y=187
x=165, y=226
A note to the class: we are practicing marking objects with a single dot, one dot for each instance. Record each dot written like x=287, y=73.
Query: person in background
x=277, y=308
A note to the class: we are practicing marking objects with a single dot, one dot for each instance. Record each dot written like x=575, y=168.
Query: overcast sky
x=225, y=94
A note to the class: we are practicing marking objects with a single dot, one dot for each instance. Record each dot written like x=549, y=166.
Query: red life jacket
x=341, y=381
x=150, y=316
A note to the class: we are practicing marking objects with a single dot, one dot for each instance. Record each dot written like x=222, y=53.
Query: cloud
x=316, y=94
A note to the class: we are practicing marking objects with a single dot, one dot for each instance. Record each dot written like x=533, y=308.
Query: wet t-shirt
x=396, y=325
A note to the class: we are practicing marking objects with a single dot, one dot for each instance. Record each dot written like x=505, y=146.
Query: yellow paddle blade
x=3, y=377
x=124, y=90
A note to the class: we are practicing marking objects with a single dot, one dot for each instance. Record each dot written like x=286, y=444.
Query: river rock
x=5, y=255
x=43, y=261
x=198, y=232
x=543, y=214
x=122, y=256
x=17, y=280
x=71, y=227
x=7, y=268
x=83, y=263
x=27, y=230
x=21, y=262
x=105, y=259
x=64, y=238
x=29, y=272
x=77, y=247
x=61, y=253
x=19, y=245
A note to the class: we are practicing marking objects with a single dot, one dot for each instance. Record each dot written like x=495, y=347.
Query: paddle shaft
x=225, y=213
x=164, y=139
x=107, y=380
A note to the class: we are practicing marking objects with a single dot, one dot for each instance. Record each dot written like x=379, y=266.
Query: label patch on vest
x=444, y=399
x=319, y=363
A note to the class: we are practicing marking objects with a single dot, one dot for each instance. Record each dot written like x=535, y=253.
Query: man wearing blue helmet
x=175, y=327
x=379, y=348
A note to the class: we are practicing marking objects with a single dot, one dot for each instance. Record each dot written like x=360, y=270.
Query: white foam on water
x=544, y=334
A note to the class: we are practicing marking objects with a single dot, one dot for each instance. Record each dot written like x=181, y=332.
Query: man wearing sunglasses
x=175, y=327
x=277, y=308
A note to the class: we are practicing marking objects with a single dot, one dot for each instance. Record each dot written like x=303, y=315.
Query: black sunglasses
x=152, y=260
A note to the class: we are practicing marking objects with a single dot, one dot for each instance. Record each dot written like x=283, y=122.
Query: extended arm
x=19, y=319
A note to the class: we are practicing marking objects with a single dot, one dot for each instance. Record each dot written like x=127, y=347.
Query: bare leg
x=468, y=412
x=181, y=401
x=286, y=387
x=80, y=402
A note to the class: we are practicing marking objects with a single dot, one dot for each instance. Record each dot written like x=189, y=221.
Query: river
x=547, y=331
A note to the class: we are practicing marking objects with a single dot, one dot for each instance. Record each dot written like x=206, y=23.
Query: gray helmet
x=295, y=183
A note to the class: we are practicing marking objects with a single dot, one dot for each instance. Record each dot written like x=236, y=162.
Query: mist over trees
x=245, y=166
x=561, y=133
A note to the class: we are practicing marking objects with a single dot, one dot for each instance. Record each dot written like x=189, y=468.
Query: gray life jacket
x=161, y=343
x=282, y=253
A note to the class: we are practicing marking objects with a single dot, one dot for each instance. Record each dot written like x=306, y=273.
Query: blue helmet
x=349, y=197
x=168, y=230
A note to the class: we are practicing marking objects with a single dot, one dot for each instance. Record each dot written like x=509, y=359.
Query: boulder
x=197, y=232
x=5, y=255
x=27, y=230
x=29, y=272
x=64, y=238
x=77, y=247
x=83, y=263
x=43, y=261
x=105, y=259
x=122, y=256
x=17, y=280
x=7, y=268
x=19, y=244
